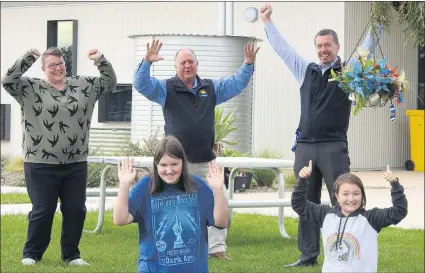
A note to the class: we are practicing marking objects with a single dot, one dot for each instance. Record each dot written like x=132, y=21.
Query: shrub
x=4, y=160
x=290, y=179
x=95, y=173
x=254, y=184
x=264, y=177
x=233, y=153
x=147, y=148
x=14, y=165
x=96, y=152
x=13, y=179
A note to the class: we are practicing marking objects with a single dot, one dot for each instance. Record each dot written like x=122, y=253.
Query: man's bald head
x=185, y=51
x=186, y=65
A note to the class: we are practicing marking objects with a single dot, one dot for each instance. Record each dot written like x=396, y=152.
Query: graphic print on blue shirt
x=175, y=222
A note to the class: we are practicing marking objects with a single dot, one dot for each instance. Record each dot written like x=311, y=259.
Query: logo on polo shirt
x=202, y=93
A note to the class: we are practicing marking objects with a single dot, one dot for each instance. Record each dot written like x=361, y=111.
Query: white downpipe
x=221, y=18
x=229, y=18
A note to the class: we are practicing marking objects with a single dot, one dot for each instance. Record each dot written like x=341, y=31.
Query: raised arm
x=380, y=218
x=126, y=175
x=303, y=207
x=13, y=82
x=107, y=81
x=150, y=87
x=227, y=88
x=296, y=64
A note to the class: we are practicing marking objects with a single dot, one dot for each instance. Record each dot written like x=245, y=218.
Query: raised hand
x=94, y=54
x=215, y=177
x=250, y=54
x=306, y=171
x=152, y=51
x=126, y=172
x=35, y=52
x=266, y=12
x=389, y=176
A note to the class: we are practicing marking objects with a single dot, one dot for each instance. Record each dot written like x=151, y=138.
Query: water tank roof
x=192, y=34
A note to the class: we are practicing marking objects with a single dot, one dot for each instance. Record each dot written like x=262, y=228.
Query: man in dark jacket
x=322, y=131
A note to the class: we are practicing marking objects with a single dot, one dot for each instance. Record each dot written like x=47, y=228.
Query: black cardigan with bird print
x=56, y=123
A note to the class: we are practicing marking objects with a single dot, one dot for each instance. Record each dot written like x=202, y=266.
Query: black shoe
x=311, y=262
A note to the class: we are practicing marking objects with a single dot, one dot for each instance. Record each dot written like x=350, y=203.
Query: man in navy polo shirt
x=188, y=103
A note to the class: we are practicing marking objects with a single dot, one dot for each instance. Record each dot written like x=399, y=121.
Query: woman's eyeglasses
x=53, y=66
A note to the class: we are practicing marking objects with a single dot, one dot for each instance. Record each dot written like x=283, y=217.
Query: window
x=116, y=106
x=421, y=79
x=63, y=34
x=5, y=122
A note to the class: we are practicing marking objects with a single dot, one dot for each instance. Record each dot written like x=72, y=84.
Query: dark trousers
x=330, y=159
x=45, y=184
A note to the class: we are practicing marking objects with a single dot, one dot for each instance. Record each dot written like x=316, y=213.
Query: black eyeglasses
x=53, y=66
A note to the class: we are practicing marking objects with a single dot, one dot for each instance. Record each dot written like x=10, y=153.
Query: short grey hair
x=55, y=51
x=191, y=50
x=325, y=32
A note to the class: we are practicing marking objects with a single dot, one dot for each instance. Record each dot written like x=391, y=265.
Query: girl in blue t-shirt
x=173, y=209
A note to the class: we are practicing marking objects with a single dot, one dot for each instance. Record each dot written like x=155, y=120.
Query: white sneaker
x=79, y=262
x=28, y=261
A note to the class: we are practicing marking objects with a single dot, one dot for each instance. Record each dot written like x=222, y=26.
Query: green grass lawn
x=254, y=242
x=15, y=198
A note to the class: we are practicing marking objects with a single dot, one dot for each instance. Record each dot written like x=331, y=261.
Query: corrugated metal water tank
x=218, y=56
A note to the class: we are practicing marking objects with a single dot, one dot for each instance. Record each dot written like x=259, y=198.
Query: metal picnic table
x=236, y=163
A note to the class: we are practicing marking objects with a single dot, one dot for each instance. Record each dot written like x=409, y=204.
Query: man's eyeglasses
x=53, y=66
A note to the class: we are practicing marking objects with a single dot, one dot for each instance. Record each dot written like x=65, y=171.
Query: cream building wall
x=276, y=102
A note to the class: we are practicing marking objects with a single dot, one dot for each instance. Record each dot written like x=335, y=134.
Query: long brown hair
x=172, y=147
x=349, y=178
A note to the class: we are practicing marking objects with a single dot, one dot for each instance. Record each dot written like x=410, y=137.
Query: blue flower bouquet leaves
x=368, y=81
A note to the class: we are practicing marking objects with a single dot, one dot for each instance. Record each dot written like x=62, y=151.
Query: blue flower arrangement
x=370, y=82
